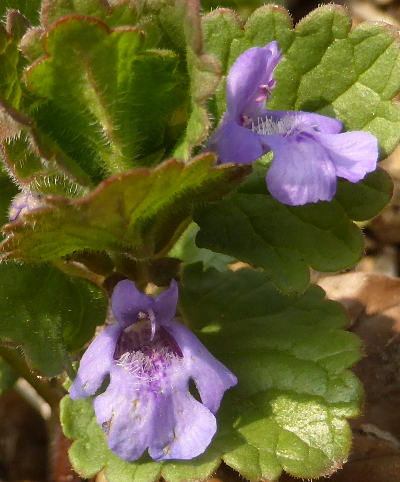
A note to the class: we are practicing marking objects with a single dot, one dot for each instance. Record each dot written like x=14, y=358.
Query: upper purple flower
x=151, y=359
x=309, y=150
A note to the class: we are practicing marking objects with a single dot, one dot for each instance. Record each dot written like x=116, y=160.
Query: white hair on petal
x=269, y=126
x=148, y=363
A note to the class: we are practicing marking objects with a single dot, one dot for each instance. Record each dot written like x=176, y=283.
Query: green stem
x=44, y=389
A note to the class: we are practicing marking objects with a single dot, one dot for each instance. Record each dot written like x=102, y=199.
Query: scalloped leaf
x=140, y=212
x=285, y=241
x=221, y=27
x=59, y=315
x=109, y=122
x=244, y=9
x=32, y=172
x=35, y=163
x=289, y=409
x=115, y=12
x=114, y=100
x=31, y=44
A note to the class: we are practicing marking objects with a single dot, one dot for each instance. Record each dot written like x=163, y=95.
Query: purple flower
x=309, y=150
x=150, y=359
x=23, y=203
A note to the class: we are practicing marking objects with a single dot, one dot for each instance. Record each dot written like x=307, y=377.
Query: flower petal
x=354, y=154
x=126, y=412
x=238, y=144
x=164, y=418
x=165, y=304
x=251, y=70
x=301, y=170
x=127, y=301
x=193, y=424
x=211, y=377
x=294, y=118
x=95, y=363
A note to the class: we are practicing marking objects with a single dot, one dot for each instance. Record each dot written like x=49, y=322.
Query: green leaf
x=32, y=172
x=203, y=70
x=7, y=191
x=290, y=355
x=364, y=200
x=30, y=8
x=221, y=27
x=186, y=250
x=33, y=163
x=289, y=409
x=31, y=44
x=243, y=8
x=53, y=10
x=16, y=24
x=109, y=103
x=48, y=313
x=7, y=376
x=10, y=89
x=115, y=13
x=10, y=58
x=140, y=212
x=285, y=241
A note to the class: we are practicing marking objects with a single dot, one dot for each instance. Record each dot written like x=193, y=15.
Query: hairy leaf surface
x=140, y=212
x=48, y=312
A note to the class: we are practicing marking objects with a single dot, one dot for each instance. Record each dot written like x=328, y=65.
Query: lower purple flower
x=151, y=359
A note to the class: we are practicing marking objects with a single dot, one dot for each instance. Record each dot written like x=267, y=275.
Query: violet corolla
x=150, y=359
x=310, y=151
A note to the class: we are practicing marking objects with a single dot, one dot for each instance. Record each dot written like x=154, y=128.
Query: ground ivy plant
x=170, y=174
